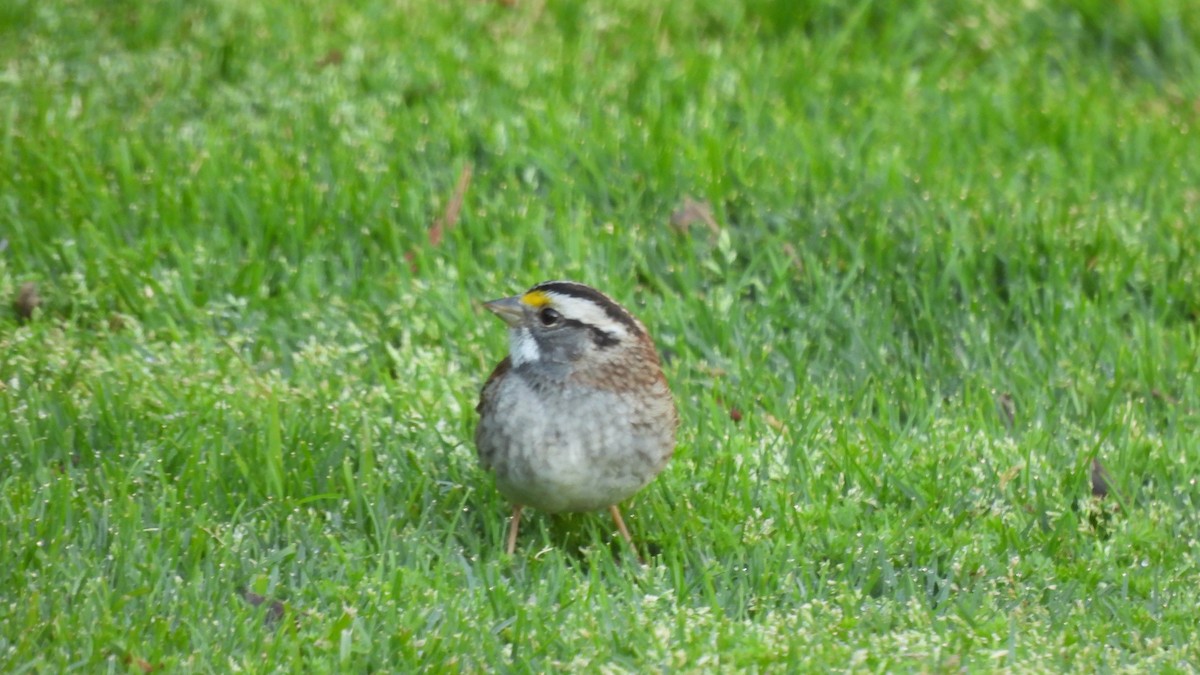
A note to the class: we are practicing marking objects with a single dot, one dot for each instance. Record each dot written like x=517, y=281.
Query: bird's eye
x=549, y=316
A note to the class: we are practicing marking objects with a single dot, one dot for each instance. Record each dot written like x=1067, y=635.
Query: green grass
x=251, y=370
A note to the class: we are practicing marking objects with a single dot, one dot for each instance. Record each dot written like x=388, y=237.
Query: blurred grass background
x=913, y=269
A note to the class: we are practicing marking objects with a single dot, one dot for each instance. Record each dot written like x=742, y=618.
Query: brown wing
x=483, y=450
x=497, y=373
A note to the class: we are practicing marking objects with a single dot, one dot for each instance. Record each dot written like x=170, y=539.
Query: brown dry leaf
x=411, y=259
x=139, y=663
x=275, y=610
x=735, y=413
x=1166, y=398
x=333, y=57
x=694, y=211
x=449, y=217
x=27, y=301
x=1009, y=474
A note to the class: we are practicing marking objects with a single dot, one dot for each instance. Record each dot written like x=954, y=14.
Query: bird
x=578, y=416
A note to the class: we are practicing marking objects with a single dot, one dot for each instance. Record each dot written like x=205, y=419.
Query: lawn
x=913, y=270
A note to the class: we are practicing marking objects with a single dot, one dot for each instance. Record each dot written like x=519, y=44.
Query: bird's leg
x=512, y=528
x=616, y=515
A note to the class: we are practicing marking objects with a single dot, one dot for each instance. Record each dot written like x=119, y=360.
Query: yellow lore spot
x=535, y=299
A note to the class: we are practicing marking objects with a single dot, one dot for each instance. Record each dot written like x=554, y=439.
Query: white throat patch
x=522, y=347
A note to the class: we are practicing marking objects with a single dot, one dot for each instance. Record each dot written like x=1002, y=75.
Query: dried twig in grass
x=694, y=211
x=449, y=217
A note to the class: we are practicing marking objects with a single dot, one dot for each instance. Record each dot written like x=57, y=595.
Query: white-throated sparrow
x=578, y=416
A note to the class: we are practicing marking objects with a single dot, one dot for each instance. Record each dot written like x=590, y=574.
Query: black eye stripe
x=603, y=339
x=600, y=338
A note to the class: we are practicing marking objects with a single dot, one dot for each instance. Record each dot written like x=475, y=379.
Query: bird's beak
x=509, y=309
